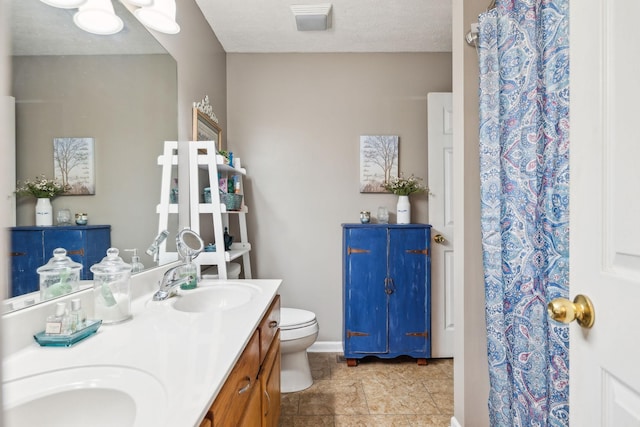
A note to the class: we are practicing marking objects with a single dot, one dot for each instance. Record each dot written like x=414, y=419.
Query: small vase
x=44, y=212
x=403, y=211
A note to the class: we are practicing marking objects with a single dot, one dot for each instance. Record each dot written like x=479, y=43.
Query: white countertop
x=190, y=354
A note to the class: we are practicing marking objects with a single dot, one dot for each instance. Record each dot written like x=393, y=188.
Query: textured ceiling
x=358, y=26
x=249, y=26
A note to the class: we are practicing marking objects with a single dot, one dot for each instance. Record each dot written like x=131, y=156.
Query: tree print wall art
x=73, y=163
x=378, y=162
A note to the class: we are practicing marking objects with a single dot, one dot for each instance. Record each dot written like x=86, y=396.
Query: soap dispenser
x=60, y=276
x=112, y=288
x=136, y=265
x=189, y=269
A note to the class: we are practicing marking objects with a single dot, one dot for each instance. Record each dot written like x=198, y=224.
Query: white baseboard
x=326, y=347
x=455, y=423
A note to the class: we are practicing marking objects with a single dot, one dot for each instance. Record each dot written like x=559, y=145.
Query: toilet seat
x=295, y=318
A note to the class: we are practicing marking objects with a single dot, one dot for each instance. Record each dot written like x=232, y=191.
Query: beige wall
x=127, y=103
x=201, y=70
x=202, y=66
x=295, y=121
x=471, y=383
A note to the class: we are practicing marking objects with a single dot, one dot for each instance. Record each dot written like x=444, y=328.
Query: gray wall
x=295, y=121
x=471, y=381
x=127, y=103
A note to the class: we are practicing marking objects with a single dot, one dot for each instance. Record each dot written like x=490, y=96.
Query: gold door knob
x=439, y=238
x=581, y=309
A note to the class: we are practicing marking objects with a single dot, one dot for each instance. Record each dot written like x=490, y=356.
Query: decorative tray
x=67, y=340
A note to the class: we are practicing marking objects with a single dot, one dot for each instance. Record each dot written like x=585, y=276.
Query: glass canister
x=60, y=276
x=112, y=288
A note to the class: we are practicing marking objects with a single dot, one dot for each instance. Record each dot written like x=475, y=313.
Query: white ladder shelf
x=168, y=160
x=202, y=155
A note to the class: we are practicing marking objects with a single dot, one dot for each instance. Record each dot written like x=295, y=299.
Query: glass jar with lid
x=112, y=288
x=59, y=276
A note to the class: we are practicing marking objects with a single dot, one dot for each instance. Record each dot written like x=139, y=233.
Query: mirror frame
x=205, y=129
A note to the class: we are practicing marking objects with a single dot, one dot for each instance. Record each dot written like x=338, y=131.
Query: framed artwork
x=378, y=162
x=73, y=164
x=205, y=129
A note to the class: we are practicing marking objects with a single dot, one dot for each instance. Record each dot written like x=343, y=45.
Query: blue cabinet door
x=365, y=300
x=26, y=257
x=387, y=290
x=33, y=246
x=409, y=314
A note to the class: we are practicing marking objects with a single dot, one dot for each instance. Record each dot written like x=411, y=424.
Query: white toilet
x=298, y=330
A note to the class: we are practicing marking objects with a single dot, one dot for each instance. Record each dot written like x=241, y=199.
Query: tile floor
x=376, y=393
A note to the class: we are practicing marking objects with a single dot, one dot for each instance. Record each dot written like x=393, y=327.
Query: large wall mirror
x=120, y=90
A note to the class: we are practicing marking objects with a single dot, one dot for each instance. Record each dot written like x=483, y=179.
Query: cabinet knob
x=439, y=238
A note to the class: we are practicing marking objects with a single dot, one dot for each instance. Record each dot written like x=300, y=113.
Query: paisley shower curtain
x=524, y=165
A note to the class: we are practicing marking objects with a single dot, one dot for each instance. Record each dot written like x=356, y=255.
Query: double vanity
x=205, y=357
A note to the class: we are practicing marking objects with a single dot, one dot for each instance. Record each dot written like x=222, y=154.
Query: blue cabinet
x=386, y=291
x=32, y=247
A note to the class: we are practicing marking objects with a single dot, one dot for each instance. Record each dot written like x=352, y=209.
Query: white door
x=605, y=211
x=440, y=177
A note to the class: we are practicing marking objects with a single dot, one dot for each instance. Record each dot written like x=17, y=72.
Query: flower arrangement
x=42, y=188
x=402, y=186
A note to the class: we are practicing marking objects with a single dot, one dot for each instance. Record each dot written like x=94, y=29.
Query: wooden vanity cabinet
x=270, y=364
x=231, y=403
x=250, y=397
x=270, y=385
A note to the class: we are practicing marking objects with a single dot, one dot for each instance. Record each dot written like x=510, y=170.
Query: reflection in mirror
x=119, y=90
x=189, y=244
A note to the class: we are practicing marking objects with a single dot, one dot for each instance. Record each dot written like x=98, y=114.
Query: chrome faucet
x=189, y=245
x=170, y=281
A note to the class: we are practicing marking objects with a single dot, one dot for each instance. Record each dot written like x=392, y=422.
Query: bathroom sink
x=90, y=395
x=215, y=297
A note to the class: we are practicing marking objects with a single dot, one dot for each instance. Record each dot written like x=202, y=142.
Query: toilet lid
x=293, y=318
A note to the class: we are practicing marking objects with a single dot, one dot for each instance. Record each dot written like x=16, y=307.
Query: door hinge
x=76, y=252
x=418, y=334
x=418, y=251
x=351, y=250
x=18, y=253
x=356, y=334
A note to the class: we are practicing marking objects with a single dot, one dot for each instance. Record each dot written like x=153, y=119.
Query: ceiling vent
x=312, y=17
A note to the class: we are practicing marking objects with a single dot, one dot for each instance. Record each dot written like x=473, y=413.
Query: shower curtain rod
x=472, y=36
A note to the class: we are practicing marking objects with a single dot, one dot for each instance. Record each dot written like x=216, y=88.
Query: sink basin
x=91, y=395
x=215, y=297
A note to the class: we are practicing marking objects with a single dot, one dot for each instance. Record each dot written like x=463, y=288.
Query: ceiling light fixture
x=161, y=16
x=312, y=17
x=98, y=17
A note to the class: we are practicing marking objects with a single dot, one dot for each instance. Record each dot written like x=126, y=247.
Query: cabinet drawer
x=236, y=391
x=269, y=327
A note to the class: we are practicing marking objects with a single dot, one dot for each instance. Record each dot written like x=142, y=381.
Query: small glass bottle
x=136, y=265
x=78, y=316
x=54, y=321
